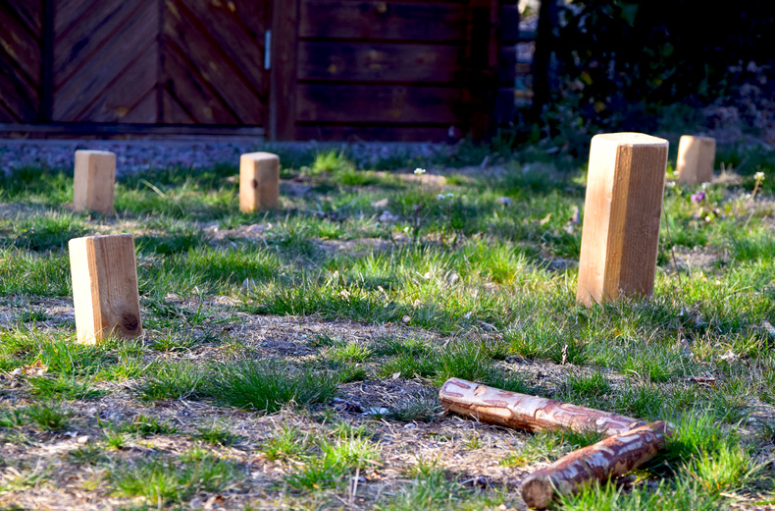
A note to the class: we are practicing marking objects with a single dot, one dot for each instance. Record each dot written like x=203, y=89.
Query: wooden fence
x=336, y=69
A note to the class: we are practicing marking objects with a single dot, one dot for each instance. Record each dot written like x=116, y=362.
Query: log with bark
x=521, y=411
x=608, y=458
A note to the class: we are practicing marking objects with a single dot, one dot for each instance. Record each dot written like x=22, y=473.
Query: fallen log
x=532, y=413
x=608, y=458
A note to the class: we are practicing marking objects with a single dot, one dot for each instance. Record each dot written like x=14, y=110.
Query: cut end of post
x=105, y=291
x=259, y=181
x=630, y=139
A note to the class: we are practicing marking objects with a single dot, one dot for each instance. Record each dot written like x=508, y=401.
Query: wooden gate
x=340, y=69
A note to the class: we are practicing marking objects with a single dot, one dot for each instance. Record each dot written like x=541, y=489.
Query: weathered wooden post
x=259, y=181
x=94, y=180
x=105, y=293
x=696, y=156
x=620, y=237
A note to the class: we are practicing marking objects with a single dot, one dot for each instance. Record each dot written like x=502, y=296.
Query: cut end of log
x=538, y=492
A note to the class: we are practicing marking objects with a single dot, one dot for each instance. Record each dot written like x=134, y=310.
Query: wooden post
x=259, y=181
x=608, y=458
x=105, y=293
x=522, y=411
x=95, y=178
x=620, y=237
x=696, y=156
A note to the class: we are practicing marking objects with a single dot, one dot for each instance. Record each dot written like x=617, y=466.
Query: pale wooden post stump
x=696, y=156
x=105, y=293
x=259, y=182
x=620, y=237
x=94, y=181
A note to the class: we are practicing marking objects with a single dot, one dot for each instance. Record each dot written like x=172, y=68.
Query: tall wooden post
x=105, y=293
x=620, y=237
x=95, y=178
x=259, y=181
x=696, y=156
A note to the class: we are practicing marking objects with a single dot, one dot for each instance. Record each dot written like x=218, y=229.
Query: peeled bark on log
x=608, y=458
x=532, y=413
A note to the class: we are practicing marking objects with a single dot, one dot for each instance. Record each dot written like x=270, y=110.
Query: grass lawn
x=292, y=359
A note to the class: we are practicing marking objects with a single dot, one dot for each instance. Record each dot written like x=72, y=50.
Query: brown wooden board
x=383, y=133
x=234, y=29
x=108, y=67
x=21, y=44
x=192, y=93
x=207, y=53
x=367, y=62
x=407, y=21
x=96, y=27
x=124, y=98
x=283, y=76
x=377, y=103
x=20, y=60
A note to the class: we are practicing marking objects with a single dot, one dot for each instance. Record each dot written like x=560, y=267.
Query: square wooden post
x=94, y=180
x=105, y=293
x=620, y=237
x=259, y=182
x=696, y=156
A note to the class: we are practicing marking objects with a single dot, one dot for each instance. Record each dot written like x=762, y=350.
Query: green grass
x=256, y=323
x=266, y=386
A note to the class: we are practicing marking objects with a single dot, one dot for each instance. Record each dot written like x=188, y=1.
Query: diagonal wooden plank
x=126, y=90
x=215, y=22
x=107, y=63
x=193, y=94
x=213, y=68
x=144, y=111
x=20, y=46
x=173, y=112
x=18, y=98
x=68, y=12
x=29, y=12
x=96, y=28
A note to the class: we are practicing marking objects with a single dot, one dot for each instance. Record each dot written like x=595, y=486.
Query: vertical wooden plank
x=94, y=180
x=47, y=64
x=282, y=81
x=696, y=156
x=259, y=182
x=623, y=207
x=105, y=292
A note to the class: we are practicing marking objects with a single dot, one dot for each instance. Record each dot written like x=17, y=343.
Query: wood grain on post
x=259, y=182
x=696, y=156
x=608, y=458
x=620, y=237
x=94, y=181
x=532, y=413
x=105, y=293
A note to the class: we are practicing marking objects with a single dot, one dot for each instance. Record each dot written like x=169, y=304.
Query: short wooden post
x=620, y=237
x=105, y=293
x=696, y=156
x=94, y=180
x=259, y=181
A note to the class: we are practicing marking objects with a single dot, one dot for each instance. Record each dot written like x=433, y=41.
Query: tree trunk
x=608, y=458
x=532, y=413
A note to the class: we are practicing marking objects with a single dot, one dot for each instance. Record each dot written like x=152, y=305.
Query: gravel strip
x=138, y=155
